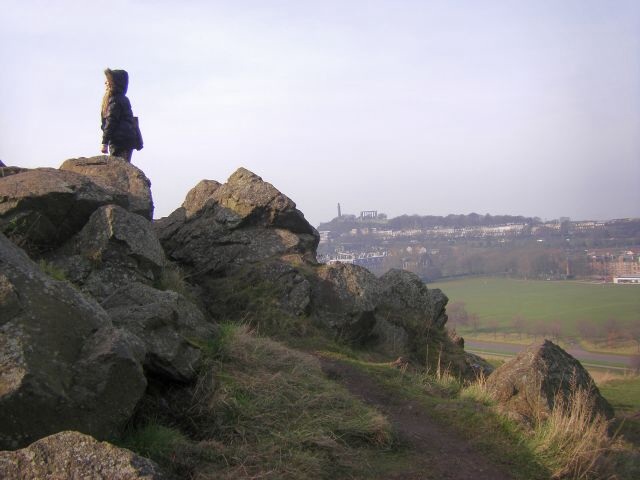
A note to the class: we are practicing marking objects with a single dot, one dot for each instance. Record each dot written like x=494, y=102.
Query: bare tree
x=635, y=363
x=539, y=329
x=457, y=313
x=474, y=321
x=612, y=329
x=587, y=329
x=555, y=329
x=493, y=327
x=518, y=324
x=634, y=333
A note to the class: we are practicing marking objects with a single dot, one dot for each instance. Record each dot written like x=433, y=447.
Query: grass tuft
x=173, y=278
x=572, y=441
x=53, y=271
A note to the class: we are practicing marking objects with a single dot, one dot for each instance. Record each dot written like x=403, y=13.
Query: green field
x=568, y=302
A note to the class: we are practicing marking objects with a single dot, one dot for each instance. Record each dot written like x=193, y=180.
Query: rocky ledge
x=89, y=319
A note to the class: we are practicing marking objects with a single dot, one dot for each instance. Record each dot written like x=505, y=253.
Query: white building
x=627, y=280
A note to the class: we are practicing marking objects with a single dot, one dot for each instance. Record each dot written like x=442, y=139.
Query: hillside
x=436, y=247
x=213, y=344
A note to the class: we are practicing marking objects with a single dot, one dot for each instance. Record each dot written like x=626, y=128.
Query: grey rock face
x=246, y=220
x=199, y=195
x=344, y=299
x=530, y=384
x=477, y=367
x=73, y=455
x=405, y=303
x=62, y=363
x=119, y=178
x=167, y=324
x=256, y=202
x=409, y=303
x=113, y=249
x=42, y=208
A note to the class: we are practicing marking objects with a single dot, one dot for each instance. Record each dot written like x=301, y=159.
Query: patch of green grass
x=53, y=271
x=624, y=396
x=500, y=299
x=154, y=441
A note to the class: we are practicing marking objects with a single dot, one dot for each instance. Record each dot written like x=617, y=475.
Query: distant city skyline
x=406, y=107
x=358, y=215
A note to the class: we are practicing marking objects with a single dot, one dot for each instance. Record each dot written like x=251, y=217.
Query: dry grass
x=173, y=278
x=262, y=410
x=571, y=441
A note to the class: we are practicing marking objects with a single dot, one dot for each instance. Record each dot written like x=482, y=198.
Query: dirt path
x=443, y=454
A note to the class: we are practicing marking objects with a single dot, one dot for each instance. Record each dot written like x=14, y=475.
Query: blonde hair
x=107, y=93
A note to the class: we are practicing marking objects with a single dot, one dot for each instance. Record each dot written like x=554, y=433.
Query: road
x=587, y=358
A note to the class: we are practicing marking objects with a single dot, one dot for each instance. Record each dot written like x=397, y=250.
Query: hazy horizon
x=545, y=219
x=405, y=107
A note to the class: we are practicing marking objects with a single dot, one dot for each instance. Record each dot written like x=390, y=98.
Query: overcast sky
x=522, y=107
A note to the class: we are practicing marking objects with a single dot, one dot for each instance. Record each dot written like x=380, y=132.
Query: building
x=627, y=280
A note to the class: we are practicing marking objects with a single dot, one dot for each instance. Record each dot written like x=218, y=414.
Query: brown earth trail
x=442, y=454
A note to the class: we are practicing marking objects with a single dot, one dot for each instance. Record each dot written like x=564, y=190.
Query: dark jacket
x=117, y=125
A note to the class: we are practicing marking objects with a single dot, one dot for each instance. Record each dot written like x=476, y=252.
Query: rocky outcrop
x=254, y=256
x=199, y=195
x=42, y=208
x=406, y=301
x=344, y=299
x=65, y=362
x=477, y=368
x=119, y=178
x=72, y=455
x=244, y=221
x=114, y=248
x=529, y=385
x=63, y=365
x=168, y=325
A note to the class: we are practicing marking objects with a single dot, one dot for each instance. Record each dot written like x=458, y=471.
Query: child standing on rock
x=120, y=133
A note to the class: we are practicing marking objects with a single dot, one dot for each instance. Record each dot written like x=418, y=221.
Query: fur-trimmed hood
x=119, y=79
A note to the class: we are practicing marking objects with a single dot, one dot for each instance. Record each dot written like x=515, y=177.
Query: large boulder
x=199, y=195
x=169, y=325
x=256, y=202
x=118, y=177
x=406, y=301
x=344, y=299
x=245, y=220
x=115, y=248
x=73, y=455
x=529, y=385
x=42, y=208
x=62, y=363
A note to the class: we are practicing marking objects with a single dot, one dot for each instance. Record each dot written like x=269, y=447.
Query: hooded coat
x=118, y=126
